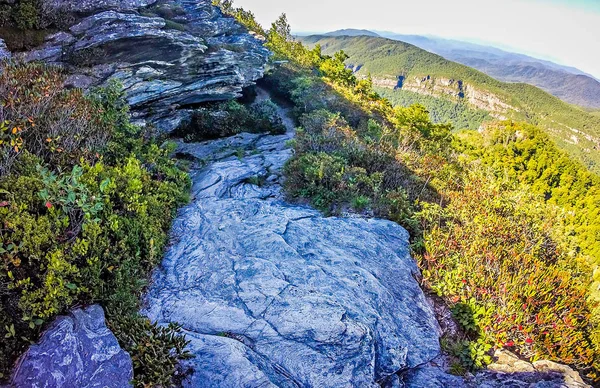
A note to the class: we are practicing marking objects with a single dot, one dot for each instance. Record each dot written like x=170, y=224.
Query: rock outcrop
x=169, y=54
x=275, y=294
x=76, y=351
x=450, y=88
x=4, y=53
x=508, y=371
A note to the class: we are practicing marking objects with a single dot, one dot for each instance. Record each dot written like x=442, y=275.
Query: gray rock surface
x=507, y=371
x=76, y=351
x=275, y=294
x=4, y=53
x=165, y=64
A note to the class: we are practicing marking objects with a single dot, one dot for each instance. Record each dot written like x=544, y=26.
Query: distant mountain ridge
x=352, y=32
x=567, y=83
x=403, y=68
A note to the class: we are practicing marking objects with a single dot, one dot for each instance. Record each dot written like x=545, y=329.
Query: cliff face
x=455, y=89
x=169, y=55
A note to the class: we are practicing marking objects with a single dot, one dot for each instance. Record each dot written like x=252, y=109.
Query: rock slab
x=76, y=351
x=275, y=294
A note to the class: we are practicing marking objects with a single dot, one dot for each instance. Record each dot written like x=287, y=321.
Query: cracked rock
x=76, y=351
x=276, y=294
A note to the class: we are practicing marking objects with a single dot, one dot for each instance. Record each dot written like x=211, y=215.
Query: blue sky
x=564, y=31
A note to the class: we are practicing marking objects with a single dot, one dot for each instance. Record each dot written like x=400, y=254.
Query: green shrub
x=85, y=224
x=27, y=14
x=156, y=351
x=230, y=118
x=171, y=25
x=361, y=202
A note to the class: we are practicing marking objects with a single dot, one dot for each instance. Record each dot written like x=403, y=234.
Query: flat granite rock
x=76, y=351
x=276, y=294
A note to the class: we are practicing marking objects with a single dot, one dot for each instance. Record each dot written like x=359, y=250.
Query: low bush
x=86, y=203
x=156, y=351
x=24, y=23
x=38, y=116
x=230, y=118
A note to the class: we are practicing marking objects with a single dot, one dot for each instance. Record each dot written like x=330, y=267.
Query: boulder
x=4, y=53
x=75, y=351
x=169, y=55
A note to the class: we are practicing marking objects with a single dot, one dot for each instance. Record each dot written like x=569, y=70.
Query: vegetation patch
x=230, y=118
x=503, y=224
x=441, y=110
x=25, y=23
x=86, y=203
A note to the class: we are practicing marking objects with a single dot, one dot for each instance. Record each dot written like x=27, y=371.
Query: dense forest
x=441, y=110
x=503, y=223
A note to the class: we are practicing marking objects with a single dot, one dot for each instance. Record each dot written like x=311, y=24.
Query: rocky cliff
x=455, y=89
x=169, y=54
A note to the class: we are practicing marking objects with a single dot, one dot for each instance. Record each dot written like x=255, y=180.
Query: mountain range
x=567, y=83
x=406, y=74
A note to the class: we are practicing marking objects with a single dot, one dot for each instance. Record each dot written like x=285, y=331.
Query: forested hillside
x=399, y=65
x=441, y=110
x=503, y=222
x=567, y=83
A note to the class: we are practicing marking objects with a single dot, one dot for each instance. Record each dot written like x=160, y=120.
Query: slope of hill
x=398, y=65
x=567, y=83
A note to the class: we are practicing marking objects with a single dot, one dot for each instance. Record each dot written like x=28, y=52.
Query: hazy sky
x=565, y=31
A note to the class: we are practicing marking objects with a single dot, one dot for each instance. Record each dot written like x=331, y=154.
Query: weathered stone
x=571, y=377
x=90, y=6
x=430, y=377
x=507, y=362
x=207, y=57
x=76, y=351
x=272, y=293
x=510, y=371
x=4, y=53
